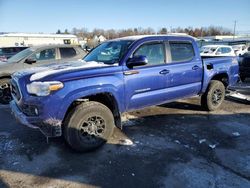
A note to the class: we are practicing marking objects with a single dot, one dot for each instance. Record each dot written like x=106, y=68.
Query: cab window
x=47, y=54
x=181, y=51
x=154, y=53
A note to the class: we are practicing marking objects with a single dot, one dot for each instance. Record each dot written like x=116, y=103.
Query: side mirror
x=218, y=53
x=30, y=60
x=137, y=61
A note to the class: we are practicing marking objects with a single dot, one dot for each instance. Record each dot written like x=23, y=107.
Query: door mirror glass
x=30, y=60
x=137, y=61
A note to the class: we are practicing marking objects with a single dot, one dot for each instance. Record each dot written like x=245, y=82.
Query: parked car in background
x=217, y=50
x=244, y=63
x=7, y=52
x=83, y=101
x=239, y=49
x=31, y=57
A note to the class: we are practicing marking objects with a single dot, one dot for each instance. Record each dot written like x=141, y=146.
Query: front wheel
x=5, y=94
x=88, y=126
x=214, y=96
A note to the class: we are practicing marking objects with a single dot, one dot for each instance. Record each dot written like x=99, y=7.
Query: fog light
x=29, y=110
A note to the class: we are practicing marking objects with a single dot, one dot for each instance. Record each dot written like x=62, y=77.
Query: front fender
x=88, y=91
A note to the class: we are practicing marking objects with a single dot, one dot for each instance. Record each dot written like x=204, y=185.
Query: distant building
x=224, y=38
x=101, y=38
x=25, y=39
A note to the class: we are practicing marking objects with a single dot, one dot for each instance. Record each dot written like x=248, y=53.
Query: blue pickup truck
x=84, y=100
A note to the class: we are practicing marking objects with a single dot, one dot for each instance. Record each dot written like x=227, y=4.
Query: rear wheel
x=214, y=96
x=88, y=126
x=243, y=78
x=5, y=94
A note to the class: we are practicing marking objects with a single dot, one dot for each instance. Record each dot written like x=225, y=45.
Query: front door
x=43, y=57
x=144, y=85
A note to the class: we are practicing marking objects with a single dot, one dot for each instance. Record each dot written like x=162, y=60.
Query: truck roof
x=137, y=37
x=52, y=46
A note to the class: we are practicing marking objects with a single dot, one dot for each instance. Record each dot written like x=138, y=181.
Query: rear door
x=185, y=70
x=145, y=85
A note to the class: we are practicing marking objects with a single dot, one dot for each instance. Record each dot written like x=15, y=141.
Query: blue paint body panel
x=135, y=91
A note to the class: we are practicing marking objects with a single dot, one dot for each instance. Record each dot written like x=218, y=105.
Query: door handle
x=195, y=67
x=127, y=73
x=164, y=71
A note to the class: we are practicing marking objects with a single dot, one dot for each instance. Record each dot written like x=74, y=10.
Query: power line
x=234, y=28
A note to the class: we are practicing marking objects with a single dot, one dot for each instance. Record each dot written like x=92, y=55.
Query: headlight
x=43, y=88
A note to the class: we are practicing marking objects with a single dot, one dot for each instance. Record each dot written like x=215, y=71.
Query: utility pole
x=234, y=28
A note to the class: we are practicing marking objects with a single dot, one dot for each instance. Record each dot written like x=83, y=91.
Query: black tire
x=214, y=96
x=88, y=126
x=5, y=94
x=243, y=78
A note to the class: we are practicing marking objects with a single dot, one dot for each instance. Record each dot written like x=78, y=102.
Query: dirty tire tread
x=243, y=78
x=72, y=121
x=206, y=102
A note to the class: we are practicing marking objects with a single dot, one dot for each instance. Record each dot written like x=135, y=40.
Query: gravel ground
x=172, y=145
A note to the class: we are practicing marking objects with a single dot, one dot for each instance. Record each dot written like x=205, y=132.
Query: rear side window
x=181, y=51
x=67, y=52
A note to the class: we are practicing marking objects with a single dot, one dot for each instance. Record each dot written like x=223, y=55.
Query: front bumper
x=22, y=118
x=50, y=127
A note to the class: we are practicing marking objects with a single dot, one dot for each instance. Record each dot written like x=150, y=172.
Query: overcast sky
x=48, y=16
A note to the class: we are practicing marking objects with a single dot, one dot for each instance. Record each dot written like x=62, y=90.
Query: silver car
x=31, y=57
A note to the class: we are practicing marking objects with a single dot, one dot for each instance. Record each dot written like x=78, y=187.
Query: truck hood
x=38, y=73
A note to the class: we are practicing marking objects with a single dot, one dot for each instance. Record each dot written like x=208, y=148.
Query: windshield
x=21, y=55
x=109, y=52
x=207, y=49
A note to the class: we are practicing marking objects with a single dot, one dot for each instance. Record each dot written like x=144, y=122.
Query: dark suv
x=244, y=63
x=34, y=56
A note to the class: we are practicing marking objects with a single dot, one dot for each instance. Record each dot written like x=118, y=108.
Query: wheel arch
x=105, y=98
x=5, y=76
x=223, y=77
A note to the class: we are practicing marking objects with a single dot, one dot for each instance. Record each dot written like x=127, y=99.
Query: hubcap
x=216, y=97
x=5, y=93
x=92, y=128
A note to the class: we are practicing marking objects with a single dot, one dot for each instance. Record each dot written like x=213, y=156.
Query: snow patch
x=236, y=134
x=43, y=72
x=126, y=142
x=202, y=140
x=212, y=146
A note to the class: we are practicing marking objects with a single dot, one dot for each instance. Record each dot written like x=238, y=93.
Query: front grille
x=15, y=90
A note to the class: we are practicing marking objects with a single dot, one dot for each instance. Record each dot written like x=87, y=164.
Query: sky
x=47, y=16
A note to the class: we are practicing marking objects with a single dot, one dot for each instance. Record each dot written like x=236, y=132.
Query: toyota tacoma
x=84, y=100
